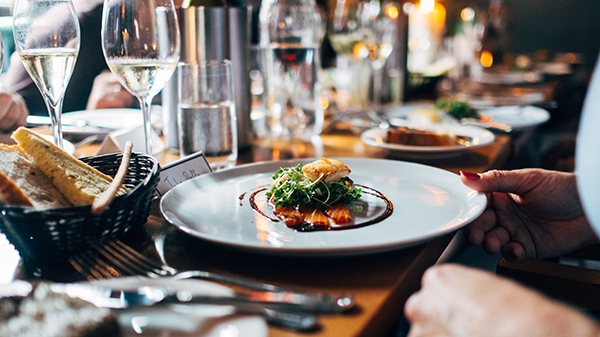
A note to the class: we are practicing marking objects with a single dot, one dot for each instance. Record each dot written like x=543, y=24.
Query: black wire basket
x=50, y=236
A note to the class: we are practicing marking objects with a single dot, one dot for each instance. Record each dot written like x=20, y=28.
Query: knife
x=151, y=296
x=154, y=295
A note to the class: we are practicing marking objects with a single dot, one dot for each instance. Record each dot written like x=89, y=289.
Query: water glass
x=206, y=112
x=292, y=92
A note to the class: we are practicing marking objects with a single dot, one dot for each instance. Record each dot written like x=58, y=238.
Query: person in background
x=13, y=110
x=92, y=85
x=90, y=63
x=531, y=214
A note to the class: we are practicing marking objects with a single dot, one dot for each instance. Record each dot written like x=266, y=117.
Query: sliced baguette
x=22, y=183
x=77, y=181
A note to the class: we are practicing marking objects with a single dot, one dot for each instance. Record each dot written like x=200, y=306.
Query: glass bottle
x=495, y=40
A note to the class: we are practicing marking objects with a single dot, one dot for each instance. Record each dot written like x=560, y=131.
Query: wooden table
x=380, y=282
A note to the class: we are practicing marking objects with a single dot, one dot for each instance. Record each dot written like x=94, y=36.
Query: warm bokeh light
x=426, y=6
x=570, y=58
x=486, y=59
x=324, y=102
x=467, y=14
x=360, y=50
x=392, y=12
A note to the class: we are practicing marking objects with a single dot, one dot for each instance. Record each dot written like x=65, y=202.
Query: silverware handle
x=329, y=302
x=286, y=301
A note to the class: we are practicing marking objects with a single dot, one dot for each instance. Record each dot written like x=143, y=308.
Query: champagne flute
x=344, y=34
x=46, y=34
x=378, y=35
x=140, y=41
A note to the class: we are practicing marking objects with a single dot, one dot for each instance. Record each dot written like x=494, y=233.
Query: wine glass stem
x=377, y=86
x=146, y=104
x=55, y=111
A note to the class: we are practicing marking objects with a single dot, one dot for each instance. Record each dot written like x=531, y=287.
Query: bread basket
x=50, y=236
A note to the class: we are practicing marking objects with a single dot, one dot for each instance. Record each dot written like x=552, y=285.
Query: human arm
x=460, y=301
x=13, y=110
x=531, y=214
x=107, y=93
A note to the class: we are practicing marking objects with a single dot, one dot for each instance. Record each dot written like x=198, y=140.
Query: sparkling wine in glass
x=46, y=34
x=140, y=41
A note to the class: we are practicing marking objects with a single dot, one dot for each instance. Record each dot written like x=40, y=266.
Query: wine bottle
x=494, y=43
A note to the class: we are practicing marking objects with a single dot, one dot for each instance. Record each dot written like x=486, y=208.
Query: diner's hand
x=13, y=110
x=531, y=214
x=107, y=93
x=459, y=301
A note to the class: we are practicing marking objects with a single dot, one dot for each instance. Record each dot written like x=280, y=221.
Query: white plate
x=518, y=117
x=480, y=137
x=427, y=202
x=108, y=118
x=183, y=320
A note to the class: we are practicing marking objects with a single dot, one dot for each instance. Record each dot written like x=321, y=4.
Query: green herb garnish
x=292, y=187
x=457, y=109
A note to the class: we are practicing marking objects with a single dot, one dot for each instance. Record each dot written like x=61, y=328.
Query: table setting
x=212, y=256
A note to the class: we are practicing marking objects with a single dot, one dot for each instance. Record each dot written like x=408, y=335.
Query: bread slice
x=77, y=181
x=22, y=183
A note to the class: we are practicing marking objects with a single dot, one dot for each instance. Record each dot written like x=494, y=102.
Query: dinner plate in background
x=479, y=137
x=426, y=203
x=79, y=124
x=110, y=118
x=517, y=117
x=67, y=145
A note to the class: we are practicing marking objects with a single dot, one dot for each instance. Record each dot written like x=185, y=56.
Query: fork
x=118, y=259
x=446, y=118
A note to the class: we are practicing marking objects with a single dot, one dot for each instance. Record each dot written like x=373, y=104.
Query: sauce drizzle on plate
x=302, y=228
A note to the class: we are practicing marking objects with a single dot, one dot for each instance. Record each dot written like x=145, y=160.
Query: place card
x=115, y=141
x=181, y=170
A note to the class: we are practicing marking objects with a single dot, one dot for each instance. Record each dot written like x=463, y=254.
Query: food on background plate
x=314, y=195
x=78, y=182
x=419, y=137
x=42, y=312
x=456, y=108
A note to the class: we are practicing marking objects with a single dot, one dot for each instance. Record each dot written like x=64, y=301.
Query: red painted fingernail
x=470, y=176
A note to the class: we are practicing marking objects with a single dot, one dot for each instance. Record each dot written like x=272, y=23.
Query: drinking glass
x=46, y=34
x=140, y=41
x=378, y=29
x=206, y=112
x=290, y=35
x=344, y=34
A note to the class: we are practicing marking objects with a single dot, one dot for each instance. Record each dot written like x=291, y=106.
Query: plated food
x=318, y=194
x=421, y=137
x=428, y=142
x=427, y=202
x=509, y=116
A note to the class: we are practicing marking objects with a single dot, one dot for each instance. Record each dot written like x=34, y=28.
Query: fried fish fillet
x=327, y=170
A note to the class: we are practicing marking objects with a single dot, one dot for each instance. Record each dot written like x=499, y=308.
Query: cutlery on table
x=146, y=296
x=116, y=259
